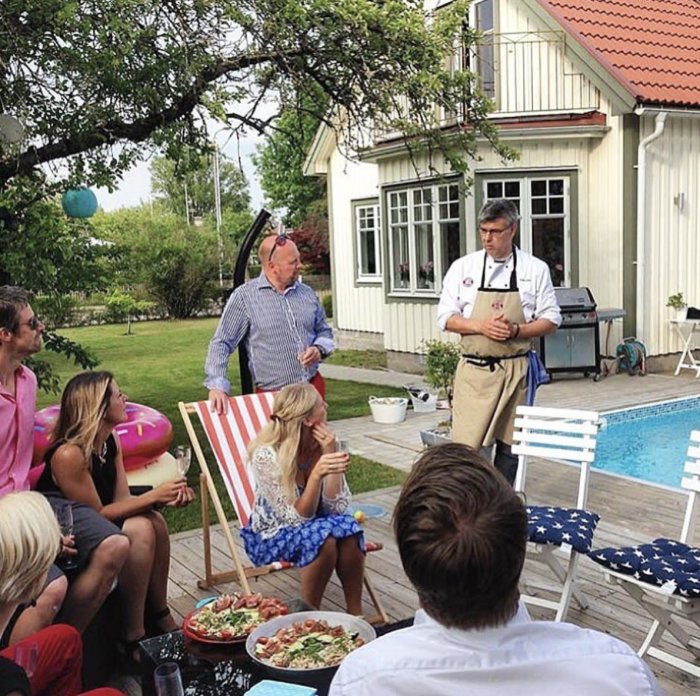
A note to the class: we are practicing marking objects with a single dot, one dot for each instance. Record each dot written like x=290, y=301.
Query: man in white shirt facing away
x=461, y=532
x=497, y=300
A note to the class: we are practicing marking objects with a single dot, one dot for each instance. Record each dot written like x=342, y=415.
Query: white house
x=602, y=100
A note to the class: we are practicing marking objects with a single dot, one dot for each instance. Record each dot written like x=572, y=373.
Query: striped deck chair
x=229, y=436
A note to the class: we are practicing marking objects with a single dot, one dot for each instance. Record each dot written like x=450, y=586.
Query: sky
x=135, y=186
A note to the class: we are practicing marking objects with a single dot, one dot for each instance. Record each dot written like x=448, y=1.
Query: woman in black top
x=85, y=465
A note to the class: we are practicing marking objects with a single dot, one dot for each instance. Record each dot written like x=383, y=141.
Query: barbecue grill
x=575, y=346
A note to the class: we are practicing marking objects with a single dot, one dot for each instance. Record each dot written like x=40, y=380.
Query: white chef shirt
x=523, y=658
x=463, y=279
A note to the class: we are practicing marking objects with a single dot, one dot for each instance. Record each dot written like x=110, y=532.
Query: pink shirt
x=17, y=432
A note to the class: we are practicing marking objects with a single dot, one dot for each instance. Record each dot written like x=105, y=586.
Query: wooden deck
x=630, y=512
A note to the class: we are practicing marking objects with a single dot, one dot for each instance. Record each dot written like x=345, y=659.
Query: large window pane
x=367, y=234
x=424, y=256
x=548, y=245
x=449, y=238
x=402, y=268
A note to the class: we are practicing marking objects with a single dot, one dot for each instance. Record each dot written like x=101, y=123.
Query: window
x=544, y=230
x=368, y=242
x=424, y=236
x=481, y=58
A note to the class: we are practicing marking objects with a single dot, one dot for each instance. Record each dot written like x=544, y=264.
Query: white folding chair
x=557, y=535
x=229, y=436
x=663, y=577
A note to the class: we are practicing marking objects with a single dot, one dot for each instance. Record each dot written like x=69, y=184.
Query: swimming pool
x=649, y=442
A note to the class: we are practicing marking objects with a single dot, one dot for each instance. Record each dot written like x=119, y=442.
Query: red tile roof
x=651, y=46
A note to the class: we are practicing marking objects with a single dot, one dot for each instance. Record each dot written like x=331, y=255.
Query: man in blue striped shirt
x=281, y=323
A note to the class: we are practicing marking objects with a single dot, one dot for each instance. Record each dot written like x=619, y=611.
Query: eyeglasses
x=493, y=231
x=281, y=240
x=34, y=323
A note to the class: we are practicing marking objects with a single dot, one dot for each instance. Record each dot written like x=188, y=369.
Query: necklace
x=102, y=455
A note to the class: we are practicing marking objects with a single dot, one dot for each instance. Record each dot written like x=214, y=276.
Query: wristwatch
x=324, y=353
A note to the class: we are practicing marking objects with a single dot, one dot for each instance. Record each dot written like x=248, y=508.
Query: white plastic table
x=686, y=332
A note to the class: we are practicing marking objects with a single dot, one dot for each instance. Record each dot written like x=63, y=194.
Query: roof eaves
x=603, y=73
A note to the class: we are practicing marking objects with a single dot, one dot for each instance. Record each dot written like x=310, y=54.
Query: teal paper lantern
x=79, y=202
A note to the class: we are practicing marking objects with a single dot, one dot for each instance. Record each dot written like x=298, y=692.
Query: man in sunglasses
x=497, y=300
x=21, y=336
x=280, y=322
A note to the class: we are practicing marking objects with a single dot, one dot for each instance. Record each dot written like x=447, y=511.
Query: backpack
x=632, y=356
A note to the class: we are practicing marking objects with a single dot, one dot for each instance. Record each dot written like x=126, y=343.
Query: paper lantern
x=79, y=203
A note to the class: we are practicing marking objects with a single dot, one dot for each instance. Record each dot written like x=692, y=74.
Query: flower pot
x=388, y=410
x=435, y=436
x=681, y=314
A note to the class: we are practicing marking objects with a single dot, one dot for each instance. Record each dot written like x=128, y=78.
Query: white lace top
x=272, y=511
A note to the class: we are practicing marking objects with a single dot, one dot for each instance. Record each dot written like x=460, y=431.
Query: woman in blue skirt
x=300, y=499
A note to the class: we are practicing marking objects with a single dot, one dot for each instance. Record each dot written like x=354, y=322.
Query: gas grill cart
x=575, y=346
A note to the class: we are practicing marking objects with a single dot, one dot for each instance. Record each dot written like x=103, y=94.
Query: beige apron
x=487, y=393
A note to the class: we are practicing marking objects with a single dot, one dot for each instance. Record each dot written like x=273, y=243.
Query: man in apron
x=497, y=300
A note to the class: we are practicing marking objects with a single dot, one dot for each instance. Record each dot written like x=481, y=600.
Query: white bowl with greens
x=299, y=645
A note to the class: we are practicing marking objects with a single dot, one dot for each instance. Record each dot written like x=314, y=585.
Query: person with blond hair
x=84, y=464
x=21, y=336
x=461, y=532
x=29, y=540
x=301, y=497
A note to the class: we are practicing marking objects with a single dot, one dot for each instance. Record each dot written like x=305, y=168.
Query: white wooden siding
x=356, y=308
x=673, y=235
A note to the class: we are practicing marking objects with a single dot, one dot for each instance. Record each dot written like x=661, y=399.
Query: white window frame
x=411, y=289
x=527, y=216
x=362, y=277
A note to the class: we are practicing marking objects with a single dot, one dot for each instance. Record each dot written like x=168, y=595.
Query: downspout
x=642, y=219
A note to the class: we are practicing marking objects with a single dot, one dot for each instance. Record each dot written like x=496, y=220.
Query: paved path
x=398, y=445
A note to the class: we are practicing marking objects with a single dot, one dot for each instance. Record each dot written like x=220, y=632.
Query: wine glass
x=342, y=446
x=64, y=517
x=183, y=457
x=168, y=680
x=26, y=654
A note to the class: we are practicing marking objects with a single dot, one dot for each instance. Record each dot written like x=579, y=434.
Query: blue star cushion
x=661, y=562
x=554, y=525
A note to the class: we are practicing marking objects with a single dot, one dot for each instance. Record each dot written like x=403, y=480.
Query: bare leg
x=42, y=615
x=315, y=576
x=351, y=571
x=135, y=576
x=90, y=589
x=158, y=586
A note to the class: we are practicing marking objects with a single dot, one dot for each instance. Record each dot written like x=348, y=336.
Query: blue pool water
x=648, y=443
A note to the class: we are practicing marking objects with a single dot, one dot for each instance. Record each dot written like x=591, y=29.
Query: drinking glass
x=167, y=680
x=183, y=457
x=26, y=654
x=64, y=517
x=343, y=446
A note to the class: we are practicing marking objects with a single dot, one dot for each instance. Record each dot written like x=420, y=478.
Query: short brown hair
x=461, y=532
x=12, y=301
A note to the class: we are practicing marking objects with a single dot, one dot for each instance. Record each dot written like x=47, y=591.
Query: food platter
x=228, y=619
x=353, y=625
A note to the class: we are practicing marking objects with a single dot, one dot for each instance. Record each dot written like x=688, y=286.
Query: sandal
x=153, y=623
x=130, y=655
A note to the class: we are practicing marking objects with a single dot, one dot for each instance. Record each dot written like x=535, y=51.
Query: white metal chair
x=557, y=536
x=229, y=436
x=663, y=577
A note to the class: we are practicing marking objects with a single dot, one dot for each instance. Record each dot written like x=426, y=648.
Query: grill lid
x=574, y=298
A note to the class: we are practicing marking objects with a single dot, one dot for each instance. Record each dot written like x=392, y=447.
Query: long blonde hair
x=291, y=406
x=84, y=402
x=29, y=541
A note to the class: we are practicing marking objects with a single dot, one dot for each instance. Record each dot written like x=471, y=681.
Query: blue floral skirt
x=301, y=543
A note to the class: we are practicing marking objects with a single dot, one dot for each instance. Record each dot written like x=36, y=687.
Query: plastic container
x=423, y=401
x=388, y=409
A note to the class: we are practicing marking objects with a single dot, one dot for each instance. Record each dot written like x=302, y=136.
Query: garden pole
x=238, y=279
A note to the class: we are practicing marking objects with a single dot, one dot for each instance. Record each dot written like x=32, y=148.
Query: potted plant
x=404, y=273
x=427, y=274
x=441, y=360
x=678, y=303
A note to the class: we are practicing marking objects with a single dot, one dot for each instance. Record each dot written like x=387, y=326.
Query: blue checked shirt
x=275, y=328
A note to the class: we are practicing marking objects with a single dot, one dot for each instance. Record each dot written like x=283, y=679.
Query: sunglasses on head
x=281, y=240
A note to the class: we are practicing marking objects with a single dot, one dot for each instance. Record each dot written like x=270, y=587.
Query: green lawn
x=162, y=363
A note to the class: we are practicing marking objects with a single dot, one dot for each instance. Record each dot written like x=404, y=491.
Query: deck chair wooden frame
x=559, y=435
x=228, y=436
x=664, y=608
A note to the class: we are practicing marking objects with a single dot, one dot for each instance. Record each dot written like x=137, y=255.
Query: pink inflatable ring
x=144, y=436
